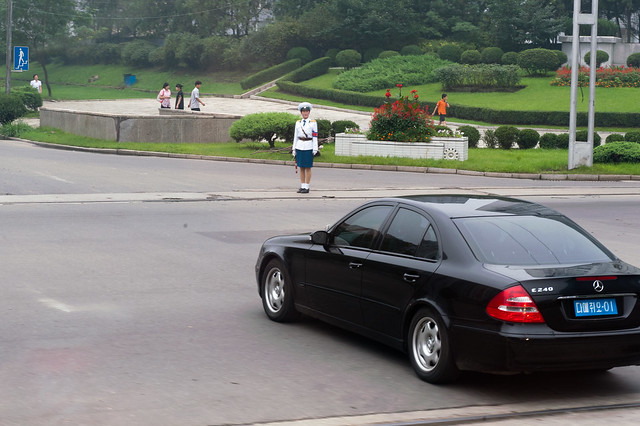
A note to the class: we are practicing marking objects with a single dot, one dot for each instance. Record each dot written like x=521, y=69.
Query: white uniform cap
x=304, y=105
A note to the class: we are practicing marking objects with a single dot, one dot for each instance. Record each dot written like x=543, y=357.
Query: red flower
x=399, y=85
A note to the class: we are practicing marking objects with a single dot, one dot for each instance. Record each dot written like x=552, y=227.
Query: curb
x=389, y=168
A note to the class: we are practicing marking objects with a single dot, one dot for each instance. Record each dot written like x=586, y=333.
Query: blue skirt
x=304, y=158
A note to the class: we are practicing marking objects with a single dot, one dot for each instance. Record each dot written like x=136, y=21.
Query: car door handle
x=354, y=265
x=410, y=278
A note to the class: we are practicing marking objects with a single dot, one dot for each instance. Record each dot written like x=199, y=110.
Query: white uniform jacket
x=305, y=136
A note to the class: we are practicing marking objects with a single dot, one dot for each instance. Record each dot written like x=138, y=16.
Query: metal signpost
x=580, y=153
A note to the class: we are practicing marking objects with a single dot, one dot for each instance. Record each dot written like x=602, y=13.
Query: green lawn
x=538, y=95
x=71, y=82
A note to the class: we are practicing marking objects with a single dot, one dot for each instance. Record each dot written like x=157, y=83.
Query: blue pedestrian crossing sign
x=20, y=58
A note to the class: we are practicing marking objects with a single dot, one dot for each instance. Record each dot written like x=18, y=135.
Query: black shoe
x=300, y=190
x=304, y=191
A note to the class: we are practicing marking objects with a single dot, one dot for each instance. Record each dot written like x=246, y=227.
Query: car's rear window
x=529, y=240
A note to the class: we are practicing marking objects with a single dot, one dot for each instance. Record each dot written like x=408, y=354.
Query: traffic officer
x=305, y=145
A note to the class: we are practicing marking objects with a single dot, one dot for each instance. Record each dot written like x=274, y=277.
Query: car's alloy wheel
x=277, y=297
x=429, y=348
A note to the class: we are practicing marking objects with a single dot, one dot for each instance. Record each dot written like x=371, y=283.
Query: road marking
x=59, y=179
x=52, y=303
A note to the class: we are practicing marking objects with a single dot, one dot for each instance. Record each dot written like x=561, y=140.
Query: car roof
x=455, y=206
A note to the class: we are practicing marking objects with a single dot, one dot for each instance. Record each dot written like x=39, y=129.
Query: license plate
x=595, y=307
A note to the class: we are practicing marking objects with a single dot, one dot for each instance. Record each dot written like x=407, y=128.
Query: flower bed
x=439, y=148
x=605, y=77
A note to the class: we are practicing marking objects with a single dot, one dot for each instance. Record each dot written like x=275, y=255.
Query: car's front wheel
x=277, y=295
x=430, y=348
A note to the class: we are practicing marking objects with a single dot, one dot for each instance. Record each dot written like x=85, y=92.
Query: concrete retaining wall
x=169, y=126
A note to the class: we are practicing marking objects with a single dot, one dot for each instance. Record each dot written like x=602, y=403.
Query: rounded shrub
x=549, y=141
x=492, y=55
x=372, y=53
x=324, y=128
x=562, y=141
x=348, y=58
x=340, y=126
x=470, y=57
x=509, y=58
x=31, y=99
x=387, y=54
x=528, y=138
x=582, y=135
x=614, y=137
x=450, y=52
x=490, y=139
x=506, y=136
x=633, y=136
x=601, y=57
x=11, y=108
x=562, y=57
x=538, y=61
x=619, y=152
x=472, y=134
x=633, y=60
x=411, y=49
x=331, y=53
x=301, y=53
x=267, y=126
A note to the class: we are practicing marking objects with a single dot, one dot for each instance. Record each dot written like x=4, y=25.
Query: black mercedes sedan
x=461, y=283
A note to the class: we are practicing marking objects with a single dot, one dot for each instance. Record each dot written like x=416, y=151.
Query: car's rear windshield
x=530, y=240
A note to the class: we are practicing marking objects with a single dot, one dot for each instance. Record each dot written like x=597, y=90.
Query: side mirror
x=320, y=237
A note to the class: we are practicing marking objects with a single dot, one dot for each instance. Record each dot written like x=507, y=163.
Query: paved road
x=96, y=334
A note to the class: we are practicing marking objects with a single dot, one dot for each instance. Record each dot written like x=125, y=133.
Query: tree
x=529, y=21
x=39, y=23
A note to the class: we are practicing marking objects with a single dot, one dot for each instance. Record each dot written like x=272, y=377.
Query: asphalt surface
x=622, y=412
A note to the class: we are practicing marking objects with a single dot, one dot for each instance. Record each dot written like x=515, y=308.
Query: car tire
x=277, y=294
x=430, y=348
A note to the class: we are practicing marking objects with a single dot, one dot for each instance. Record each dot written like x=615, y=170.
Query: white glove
x=315, y=151
x=293, y=152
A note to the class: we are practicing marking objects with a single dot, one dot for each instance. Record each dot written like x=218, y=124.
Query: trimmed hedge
x=270, y=74
x=308, y=71
x=477, y=76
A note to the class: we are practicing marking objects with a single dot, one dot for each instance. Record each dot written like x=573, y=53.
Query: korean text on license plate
x=595, y=307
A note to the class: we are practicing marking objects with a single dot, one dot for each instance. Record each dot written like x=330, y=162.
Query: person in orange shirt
x=441, y=107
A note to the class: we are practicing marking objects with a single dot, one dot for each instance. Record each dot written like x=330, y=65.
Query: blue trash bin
x=129, y=79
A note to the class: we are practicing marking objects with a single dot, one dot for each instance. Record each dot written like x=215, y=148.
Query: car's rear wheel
x=277, y=295
x=430, y=348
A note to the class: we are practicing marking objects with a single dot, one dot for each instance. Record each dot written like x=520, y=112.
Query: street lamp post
x=9, y=19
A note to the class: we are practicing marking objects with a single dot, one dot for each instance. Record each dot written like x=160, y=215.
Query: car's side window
x=429, y=247
x=405, y=235
x=362, y=228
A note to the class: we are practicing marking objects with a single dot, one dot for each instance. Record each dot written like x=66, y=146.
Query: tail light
x=514, y=305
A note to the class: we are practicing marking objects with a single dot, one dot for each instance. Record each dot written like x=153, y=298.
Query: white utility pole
x=581, y=154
